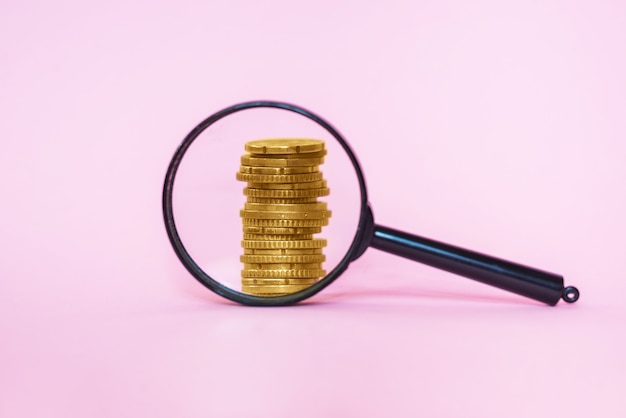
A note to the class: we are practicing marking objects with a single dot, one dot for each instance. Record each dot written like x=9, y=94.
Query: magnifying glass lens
x=267, y=203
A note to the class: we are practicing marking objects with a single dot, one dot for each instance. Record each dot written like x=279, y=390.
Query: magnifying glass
x=354, y=232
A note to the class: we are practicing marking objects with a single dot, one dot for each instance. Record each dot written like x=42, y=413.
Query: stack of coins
x=281, y=215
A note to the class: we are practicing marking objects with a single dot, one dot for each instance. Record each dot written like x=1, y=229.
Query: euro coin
x=292, y=207
x=286, y=223
x=262, y=281
x=317, y=154
x=282, y=251
x=274, y=290
x=274, y=237
x=279, y=170
x=286, y=193
x=280, y=178
x=278, y=230
x=292, y=274
x=283, y=266
x=282, y=259
x=280, y=162
x=262, y=214
x=273, y=200
x=313, y=243
x=284, y=146
x=275, y=185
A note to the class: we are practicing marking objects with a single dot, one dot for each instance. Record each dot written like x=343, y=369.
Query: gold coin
x=279, y=170
x=280, y=162
x=258, y=274
x=278, y=230
x=303, y=185
x=262, y=281
x=264, y=214
x=283, y=266
x=280, y=178
x=281, y=259
x=285, y=223
x=291, y=207
x=286, y=193
x=285, y=146
x=282, y=251
x=275, y=237
x=275, y=290
x=309, y=243
x=274, y=201
x=317, y=154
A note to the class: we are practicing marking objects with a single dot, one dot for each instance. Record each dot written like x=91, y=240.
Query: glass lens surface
x=259, y=220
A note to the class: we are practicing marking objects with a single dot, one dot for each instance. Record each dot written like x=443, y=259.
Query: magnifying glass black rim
x=190, y=264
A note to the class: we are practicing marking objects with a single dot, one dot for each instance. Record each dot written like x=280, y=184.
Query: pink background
x=498, y=126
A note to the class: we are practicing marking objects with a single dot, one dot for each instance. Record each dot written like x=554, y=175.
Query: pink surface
x=498, y=126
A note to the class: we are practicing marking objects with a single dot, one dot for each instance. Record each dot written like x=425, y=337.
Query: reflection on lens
x=281, y=215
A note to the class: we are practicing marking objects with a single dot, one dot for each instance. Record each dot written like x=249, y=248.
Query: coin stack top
x=281, y=215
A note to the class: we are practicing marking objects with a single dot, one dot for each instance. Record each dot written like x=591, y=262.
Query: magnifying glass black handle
x=526, y=281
